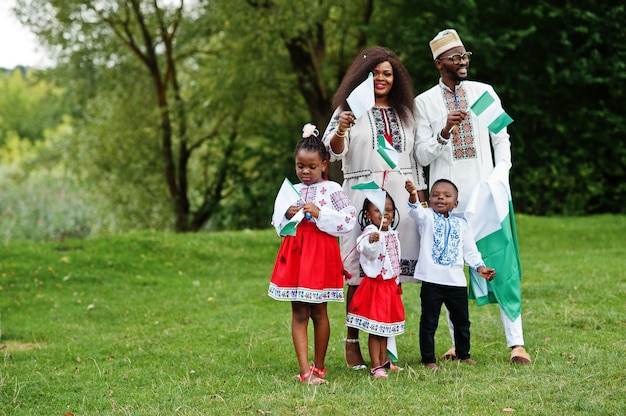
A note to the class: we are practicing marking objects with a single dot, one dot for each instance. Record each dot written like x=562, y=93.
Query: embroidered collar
x=456, y=87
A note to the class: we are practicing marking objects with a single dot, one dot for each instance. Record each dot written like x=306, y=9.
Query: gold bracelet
x=342, y=135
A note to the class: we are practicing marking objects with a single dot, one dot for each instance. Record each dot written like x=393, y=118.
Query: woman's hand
x=346, y=120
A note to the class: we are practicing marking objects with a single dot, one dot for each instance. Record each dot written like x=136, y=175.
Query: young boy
x=444, y=246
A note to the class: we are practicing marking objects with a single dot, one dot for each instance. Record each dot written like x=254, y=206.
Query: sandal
x=320, y=373
x=450, y=354
x=354, y=367
x=379, y=372
x=519, y=355
x=309, y=378
x=388, y=364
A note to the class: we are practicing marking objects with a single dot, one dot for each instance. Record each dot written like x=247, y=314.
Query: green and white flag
x=490, y=216
x=362, y=99
x=287, y=197
x=387, y=152
x=372, y=191
x=490, y=111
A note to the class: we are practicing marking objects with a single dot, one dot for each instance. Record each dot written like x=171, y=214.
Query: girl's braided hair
x=311, y=142
x=364, y=221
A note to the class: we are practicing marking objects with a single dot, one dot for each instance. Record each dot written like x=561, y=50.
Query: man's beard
x=454, y=76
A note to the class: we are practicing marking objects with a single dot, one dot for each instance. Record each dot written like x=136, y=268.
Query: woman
x=355, y=142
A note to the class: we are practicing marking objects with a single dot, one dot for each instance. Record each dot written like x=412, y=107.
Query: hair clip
x=309, y=130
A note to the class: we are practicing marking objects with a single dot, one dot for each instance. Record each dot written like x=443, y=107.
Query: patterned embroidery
x=391, y=243
x=308, y=193
x=307, y=295
x=373, y=326
x=387, y=123
x=340, y=200
x=463, y=145
x=447, y=239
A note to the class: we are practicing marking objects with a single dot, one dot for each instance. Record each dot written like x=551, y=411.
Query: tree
x=194, y=109
x=28, y=105
x=96, y=40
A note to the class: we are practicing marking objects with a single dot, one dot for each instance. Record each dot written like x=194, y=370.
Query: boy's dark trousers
x=455, y=299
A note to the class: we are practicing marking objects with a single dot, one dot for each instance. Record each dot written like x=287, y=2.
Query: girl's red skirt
x=376, y=307
x=308, y=267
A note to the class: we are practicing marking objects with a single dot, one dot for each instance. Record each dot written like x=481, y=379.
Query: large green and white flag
x=490, y=216
x=490, y=111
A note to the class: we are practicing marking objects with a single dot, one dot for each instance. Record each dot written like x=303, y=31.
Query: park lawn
x=171, y=324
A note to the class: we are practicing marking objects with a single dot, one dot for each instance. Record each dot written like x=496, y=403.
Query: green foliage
x=558, y=67
x=28, y=104
x=246, y=75
x=159, y=323
x=40, y=199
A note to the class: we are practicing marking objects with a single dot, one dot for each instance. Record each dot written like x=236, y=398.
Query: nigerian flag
x=287, y=196
x=372, y=191
x=387, y=152
x=490, y=111
x=490, y=216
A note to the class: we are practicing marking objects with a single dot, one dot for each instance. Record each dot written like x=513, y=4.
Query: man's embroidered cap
x=444, y=41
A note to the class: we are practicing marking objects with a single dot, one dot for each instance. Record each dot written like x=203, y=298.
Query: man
x=458, y=147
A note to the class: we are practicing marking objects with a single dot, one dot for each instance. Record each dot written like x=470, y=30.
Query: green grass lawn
x=166, y=324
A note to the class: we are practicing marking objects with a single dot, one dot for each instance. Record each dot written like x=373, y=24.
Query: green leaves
x=187, y=118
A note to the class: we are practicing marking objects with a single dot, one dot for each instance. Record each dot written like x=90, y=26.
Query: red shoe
x=309, y=378
x=320, y=373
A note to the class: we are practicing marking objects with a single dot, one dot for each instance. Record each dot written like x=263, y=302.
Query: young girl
x=308, y=269
x=376, y=307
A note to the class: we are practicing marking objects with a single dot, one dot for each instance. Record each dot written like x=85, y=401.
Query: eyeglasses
x=456, y=58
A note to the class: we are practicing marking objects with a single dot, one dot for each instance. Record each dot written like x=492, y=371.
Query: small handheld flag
x=377, y=196
x=489, y=111
x=387, y=152
x=362, y=99
x=287, y=196
x=390, y=154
